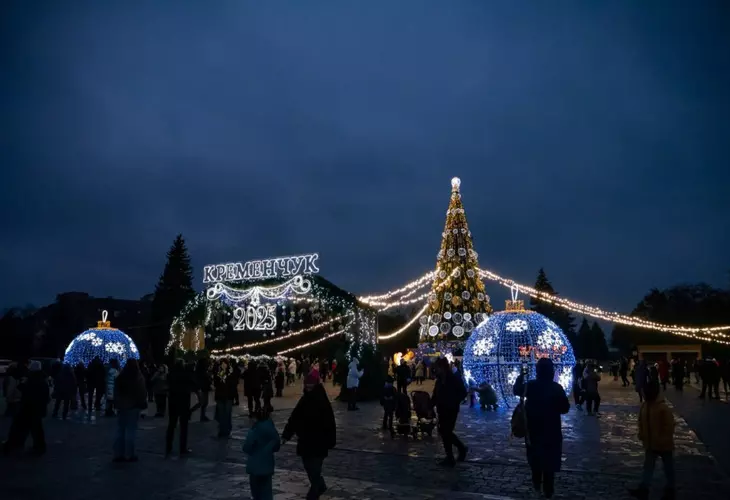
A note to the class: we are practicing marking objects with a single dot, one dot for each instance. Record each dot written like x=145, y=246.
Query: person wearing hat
x=33, y=407
x=313, y=422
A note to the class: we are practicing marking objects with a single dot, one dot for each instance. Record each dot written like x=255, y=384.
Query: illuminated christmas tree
x=457, y=302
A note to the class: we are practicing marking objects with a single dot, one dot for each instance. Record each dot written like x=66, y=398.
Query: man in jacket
x=181, y=383
x=313, y=422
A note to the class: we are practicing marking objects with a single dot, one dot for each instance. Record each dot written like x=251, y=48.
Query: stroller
x=425, y=416
x=403, y=415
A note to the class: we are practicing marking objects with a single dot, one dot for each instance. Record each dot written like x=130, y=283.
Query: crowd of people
x=126, y=392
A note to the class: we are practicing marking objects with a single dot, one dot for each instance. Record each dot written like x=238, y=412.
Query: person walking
x=656, y=432
x=64, y=390
x=181, y=385
x=251, y=388
x=263, y=375
x=591, y=377
x=353, y=382
x=33, y=407
x=387, y=401
x=261, y=442
x=448, y=393
x=578, y=392
x=623, y=370
x=11, y=389
x=130, y=398
x=95, y=383
x=111, y=377
x=204, y=383
x=403, y=377
x=160, y=388
x=420, y=372
x=80, y=374
x=224, y=394
x=640, y=377
x=313, y=422
x=545, y=401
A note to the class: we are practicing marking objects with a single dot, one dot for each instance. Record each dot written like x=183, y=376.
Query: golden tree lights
x=457, y=302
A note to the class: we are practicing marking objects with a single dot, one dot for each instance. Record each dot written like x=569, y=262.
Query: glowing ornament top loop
x=514, y=305
x=455, y=184
x=104, y=323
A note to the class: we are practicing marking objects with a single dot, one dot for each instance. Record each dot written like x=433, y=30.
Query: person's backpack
x=519, y=418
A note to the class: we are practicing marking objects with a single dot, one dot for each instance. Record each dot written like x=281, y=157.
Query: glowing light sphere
x=508, y=342
x=107, y=343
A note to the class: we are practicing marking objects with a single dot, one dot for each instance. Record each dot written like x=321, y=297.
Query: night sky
x=591, y=139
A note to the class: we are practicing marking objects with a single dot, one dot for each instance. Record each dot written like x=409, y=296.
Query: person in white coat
x=353, y=382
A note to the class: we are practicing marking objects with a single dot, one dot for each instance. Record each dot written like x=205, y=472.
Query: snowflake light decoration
x=483, y=347
x=509, y=342
x=516, y=325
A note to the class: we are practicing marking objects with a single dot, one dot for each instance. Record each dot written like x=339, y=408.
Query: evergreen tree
x=173, y=291
x=583, y=342
x=599, y=347
x=457, y=301
x=558, y=315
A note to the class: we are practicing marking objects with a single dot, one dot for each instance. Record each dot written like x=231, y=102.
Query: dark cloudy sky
x=591, y=139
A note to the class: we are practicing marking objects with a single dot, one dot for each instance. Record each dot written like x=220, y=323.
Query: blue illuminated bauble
x=107, y=343
x=510, y=342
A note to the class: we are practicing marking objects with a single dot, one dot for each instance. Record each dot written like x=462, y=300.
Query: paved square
x=601, y=458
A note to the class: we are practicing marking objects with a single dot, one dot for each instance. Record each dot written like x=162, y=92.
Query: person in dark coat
x=80, y=374
x=33, y=407
x=224, y=393
x=64, y=389
x=279, y=380
x=545, y=402
x=251, y=388
x=263, y=376
x=204, y=382
x=236, y=374
x=403, y=376
x=623, y=370
x=181, y=383
x=313, y=422
x=448, y=393
x=387, y=401
x=130, y=398
x=95, y=383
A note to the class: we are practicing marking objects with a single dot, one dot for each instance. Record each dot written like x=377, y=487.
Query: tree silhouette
x=598, y=346
x=688, y=304
x=558, y=315
x=583, y=342
x=173, y=291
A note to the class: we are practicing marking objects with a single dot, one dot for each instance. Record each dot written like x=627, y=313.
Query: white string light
x=404, y=327
x=252, y=345
x=715, y=332
x=304, y=346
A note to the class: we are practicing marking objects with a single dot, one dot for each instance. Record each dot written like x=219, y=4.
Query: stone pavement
x=601, y=458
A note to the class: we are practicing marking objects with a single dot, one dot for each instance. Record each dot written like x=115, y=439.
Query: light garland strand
x=421, y=282
x=714, y=332
x=304, y=346
x=404, y=327
x=252, y=345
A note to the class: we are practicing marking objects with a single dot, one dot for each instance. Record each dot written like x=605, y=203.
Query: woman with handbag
x=130, y=397
x=544, y=401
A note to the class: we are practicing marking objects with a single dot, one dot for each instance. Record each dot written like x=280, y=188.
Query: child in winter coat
x=262, y=441
x=487, y=397
x=387, y=401
x=656, y=432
